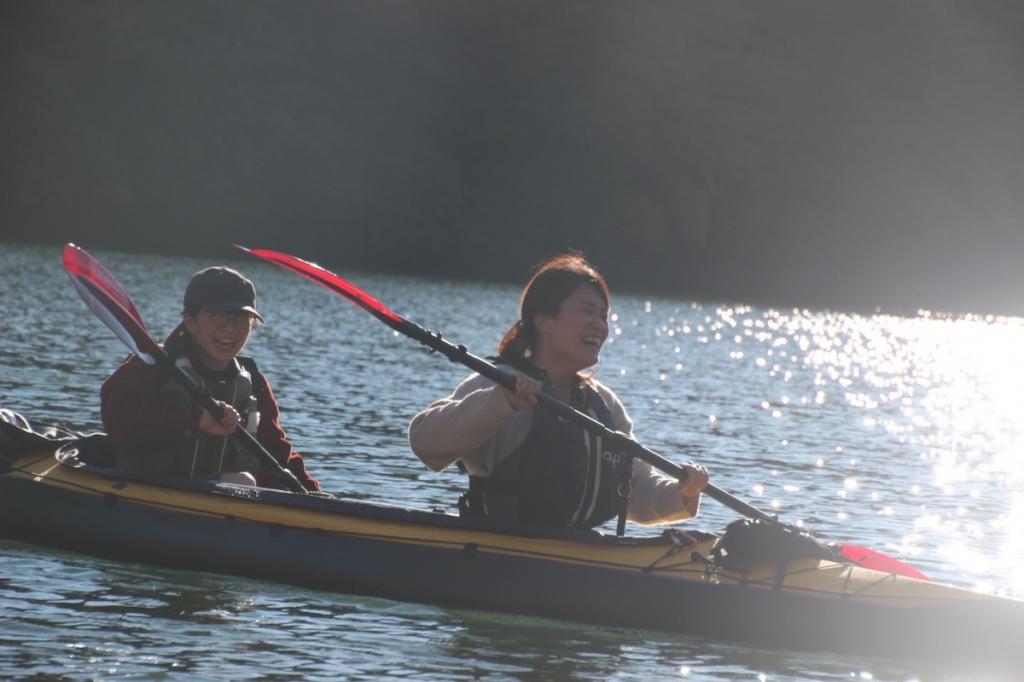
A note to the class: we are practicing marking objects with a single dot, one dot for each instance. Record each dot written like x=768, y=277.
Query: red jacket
x=135, y=417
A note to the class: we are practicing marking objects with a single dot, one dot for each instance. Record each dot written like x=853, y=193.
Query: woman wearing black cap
x=156, y=426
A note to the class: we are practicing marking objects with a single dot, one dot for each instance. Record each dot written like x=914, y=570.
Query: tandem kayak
x=58, y=496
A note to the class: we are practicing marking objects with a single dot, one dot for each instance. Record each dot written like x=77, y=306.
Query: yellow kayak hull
x=665, y=582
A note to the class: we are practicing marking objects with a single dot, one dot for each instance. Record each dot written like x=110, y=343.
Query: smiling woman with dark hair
x=527, y=466
x=156, y=426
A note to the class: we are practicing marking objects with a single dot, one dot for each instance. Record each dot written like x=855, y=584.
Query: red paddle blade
x=79, y=263
x=329, y=280
x=876, y=561
x=109, y=301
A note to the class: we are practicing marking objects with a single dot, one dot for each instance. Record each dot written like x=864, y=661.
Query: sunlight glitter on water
x=938, y=390
x=1013, y=548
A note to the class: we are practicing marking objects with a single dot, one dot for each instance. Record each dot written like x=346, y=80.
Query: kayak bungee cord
x=459, y=354
x=111, y=303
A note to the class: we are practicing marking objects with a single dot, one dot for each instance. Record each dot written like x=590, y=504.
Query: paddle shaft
x=247, y=439
x=503, y=378
x=459, y=354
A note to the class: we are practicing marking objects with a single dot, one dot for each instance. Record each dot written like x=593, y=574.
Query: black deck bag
x=748, y=543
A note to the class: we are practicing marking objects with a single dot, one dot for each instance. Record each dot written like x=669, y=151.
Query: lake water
x=902, y=434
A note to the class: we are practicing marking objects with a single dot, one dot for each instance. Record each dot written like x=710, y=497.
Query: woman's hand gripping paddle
x=327, y=279
x=111, y=303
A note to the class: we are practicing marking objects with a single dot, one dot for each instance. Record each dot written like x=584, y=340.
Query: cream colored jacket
x=477, y=426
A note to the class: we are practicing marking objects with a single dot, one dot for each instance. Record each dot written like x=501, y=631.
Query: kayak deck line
x=243, y=509
x=813, y=577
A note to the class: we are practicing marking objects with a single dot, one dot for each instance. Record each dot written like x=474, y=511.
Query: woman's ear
x=542, y=323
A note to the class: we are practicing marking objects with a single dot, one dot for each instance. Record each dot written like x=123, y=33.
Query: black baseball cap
x=221, y=290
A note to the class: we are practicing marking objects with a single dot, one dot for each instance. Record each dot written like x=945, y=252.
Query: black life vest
x=562, y=476
x=200, y=455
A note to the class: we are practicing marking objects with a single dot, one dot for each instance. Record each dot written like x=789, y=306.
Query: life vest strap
x=490, y=485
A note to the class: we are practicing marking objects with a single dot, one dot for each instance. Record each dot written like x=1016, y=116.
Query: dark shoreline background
x=818, y=154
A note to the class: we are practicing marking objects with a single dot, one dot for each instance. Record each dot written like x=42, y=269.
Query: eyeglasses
x=238, y=318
